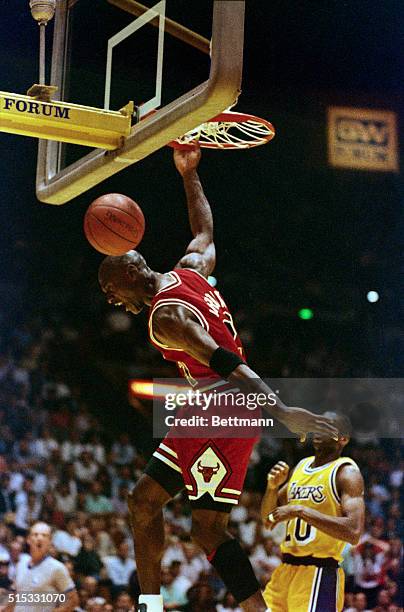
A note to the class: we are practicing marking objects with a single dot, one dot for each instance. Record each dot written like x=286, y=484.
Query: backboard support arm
x=197, y=106
x=171, y=27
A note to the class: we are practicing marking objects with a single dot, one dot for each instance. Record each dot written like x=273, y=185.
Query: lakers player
x=323, y=507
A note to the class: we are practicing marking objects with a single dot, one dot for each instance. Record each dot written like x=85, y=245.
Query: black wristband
x=224, y=362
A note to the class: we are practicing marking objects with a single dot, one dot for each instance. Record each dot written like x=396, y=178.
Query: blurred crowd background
x=72, y=444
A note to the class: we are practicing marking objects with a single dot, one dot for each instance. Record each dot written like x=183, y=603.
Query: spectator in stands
x=359, y=603
x=173, y=597
x=68, y=475
x=119, y=502
x=181, y=584
x=6, y=439
x=88, y=562
x=175, y=516
x=193, y=561
x=5, y=581
x=45, y=445
x=83, y=419
x=123, y=452
x=392, y=563
x=67, y=540
x=368, y=572
x=123, y=602
x=66, y=501
x=27, y=513
x=228, y=604
x=7, y=497
x=119, y=567
x=265, y=558
x=83, y=599
x=200, y=599
x=121, y=476
x=90, y=584
x=383, y=601
x=96, y=448
x=40, y=482
x=26, y=486
x=85, y=468
x=16, y=554
x=96, y=502
x=52, y=475
x=378, y=496
x=96, y=604
x=72, y=448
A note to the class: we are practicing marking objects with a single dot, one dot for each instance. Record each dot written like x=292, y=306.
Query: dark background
x=291, y=232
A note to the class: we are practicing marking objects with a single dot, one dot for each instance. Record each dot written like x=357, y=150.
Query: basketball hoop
x=229, y=130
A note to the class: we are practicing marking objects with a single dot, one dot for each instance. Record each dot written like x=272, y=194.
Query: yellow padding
x=64, y=122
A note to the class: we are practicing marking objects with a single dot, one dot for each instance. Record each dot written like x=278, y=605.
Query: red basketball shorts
x=211, y=470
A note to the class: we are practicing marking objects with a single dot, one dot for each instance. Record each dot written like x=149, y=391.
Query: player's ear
x=131, y=271
x=343, y=440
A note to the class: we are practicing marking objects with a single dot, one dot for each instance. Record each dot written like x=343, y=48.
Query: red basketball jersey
x=192, y=291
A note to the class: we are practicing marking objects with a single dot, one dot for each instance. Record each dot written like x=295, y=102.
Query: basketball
x=114, y=224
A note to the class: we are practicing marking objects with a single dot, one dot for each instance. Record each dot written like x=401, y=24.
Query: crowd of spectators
x=61, y=462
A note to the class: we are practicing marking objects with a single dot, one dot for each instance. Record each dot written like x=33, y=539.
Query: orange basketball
x=114, y=224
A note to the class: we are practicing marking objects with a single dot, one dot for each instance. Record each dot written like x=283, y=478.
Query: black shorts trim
x=167, y=477
x=205, y=502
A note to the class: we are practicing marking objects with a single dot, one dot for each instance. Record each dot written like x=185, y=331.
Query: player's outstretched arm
x=347, y=527
x=200, y=254
x=176, y=327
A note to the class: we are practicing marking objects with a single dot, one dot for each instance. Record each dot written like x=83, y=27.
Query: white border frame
x=158, y=10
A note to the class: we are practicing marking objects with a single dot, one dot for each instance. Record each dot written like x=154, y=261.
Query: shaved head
x=111, y=266
x=127, y=281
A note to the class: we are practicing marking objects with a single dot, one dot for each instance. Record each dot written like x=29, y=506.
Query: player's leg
x=154, y=489
x=209, y=531
x=214, y=471
x=314, y=589
x=276, y=591
x=340, y=589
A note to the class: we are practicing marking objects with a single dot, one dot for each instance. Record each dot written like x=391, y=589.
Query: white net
x=230, y=131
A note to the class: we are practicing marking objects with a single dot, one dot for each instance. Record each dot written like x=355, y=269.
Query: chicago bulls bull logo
x=206, y=471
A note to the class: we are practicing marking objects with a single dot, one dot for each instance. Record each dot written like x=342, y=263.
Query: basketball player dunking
x=205, y=345
x=324, y=509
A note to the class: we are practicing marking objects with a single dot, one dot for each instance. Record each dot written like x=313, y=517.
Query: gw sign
x=362, y=139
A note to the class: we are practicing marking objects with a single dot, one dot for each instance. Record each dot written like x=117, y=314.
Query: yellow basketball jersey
x=314, y=487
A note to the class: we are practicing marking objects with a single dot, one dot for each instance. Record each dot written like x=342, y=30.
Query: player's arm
x=276, y=492
x=347, y=527
x=200, y=254
x=175, y=326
